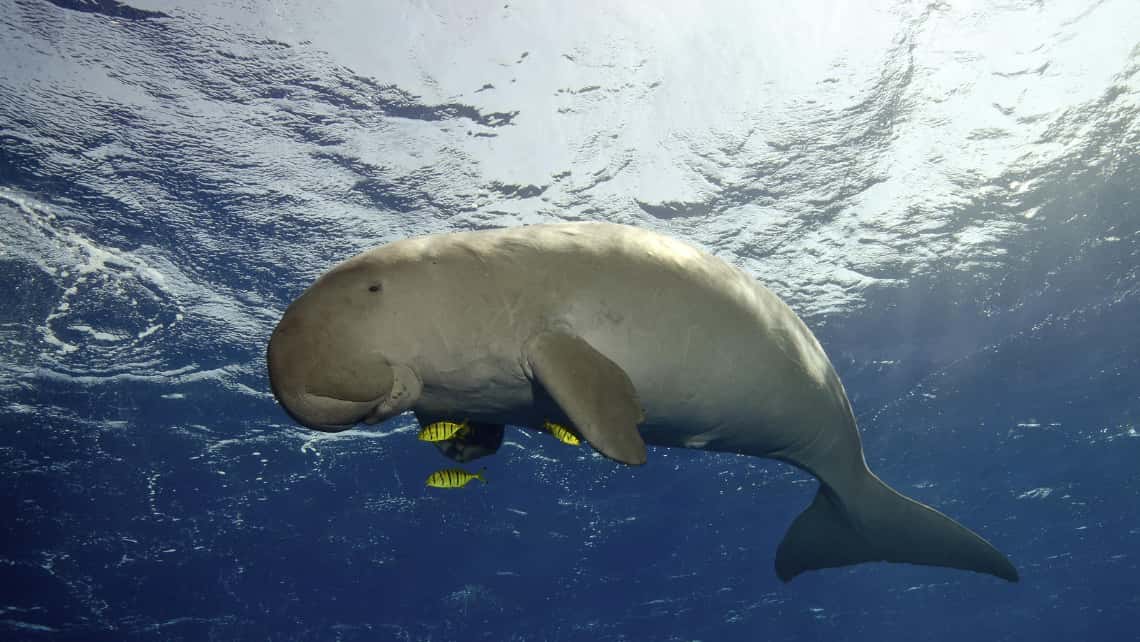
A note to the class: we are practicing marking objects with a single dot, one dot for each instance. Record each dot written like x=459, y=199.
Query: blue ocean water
x=948, y=194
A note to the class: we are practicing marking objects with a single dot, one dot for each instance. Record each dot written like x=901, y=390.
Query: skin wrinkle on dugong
x=624, y=335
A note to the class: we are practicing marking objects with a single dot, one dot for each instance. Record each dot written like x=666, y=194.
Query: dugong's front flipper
x=594, y=392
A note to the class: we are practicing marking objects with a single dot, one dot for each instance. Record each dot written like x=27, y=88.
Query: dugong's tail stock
x=871, y=522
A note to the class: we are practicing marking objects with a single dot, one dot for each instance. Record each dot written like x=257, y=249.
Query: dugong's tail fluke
x=875, y=523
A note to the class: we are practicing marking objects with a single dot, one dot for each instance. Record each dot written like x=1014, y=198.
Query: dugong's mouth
x=404, y=393
x=329, y=413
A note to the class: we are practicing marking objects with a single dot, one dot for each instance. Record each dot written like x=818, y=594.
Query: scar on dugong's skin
x=629, y=337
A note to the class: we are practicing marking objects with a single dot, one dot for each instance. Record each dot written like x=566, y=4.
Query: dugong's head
x=330, y=357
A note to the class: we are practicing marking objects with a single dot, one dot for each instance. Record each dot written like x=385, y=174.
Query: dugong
x=627, y=336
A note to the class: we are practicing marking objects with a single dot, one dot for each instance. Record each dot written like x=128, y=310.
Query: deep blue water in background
x=172, y=176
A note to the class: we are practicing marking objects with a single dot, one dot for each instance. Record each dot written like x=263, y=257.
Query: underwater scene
x=570, y=321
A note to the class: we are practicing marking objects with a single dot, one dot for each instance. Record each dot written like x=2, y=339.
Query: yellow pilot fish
x=444, y=430
x=453, y=478
x=560, y=433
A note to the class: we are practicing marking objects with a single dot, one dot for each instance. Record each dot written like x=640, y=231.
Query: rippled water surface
x=948, y=193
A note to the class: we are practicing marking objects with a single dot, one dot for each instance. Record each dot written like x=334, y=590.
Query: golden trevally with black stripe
x=561, y=433
x=443, y=430
x=454, y=478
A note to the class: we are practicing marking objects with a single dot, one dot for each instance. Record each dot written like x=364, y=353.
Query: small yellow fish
x=444, y=430
x=454, y=478
x=561, y=433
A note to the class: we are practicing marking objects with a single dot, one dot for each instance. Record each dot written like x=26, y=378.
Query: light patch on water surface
x=1036, y=493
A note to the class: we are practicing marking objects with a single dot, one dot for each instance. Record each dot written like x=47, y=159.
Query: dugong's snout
x=324, y=384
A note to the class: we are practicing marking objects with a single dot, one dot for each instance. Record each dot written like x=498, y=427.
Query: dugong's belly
x=492, y=389
x=720, y=373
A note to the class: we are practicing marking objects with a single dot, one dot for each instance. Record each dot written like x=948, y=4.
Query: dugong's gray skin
x=625, y=335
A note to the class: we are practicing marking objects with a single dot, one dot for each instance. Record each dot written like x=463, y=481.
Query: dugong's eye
x=375, y=287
